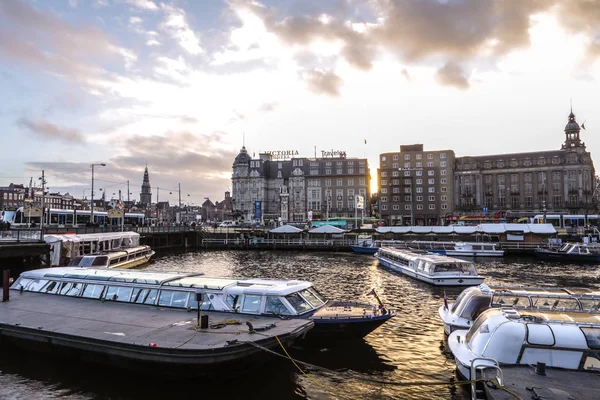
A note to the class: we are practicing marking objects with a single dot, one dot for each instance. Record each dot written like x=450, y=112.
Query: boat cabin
x=559, y=339
x=474, y=300
x=429, y=263
x=126, y=258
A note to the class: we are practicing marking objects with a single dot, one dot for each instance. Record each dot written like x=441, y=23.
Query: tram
x=59, y=218
x=567, y=220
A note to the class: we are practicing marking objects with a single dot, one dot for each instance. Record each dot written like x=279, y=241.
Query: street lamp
x=92, y=208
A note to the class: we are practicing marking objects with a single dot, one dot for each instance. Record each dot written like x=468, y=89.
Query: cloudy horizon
x=180, y=85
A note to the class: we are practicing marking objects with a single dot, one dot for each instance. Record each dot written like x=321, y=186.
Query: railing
x=521, y=245
x=21, y=235
x=475, y=366
x=293, y=242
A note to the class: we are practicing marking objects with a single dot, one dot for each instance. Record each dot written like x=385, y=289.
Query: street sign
x=360, y=202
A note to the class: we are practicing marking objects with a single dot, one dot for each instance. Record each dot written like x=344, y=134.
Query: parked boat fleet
x=200, y=323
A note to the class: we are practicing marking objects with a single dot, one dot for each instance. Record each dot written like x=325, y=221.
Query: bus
x=74, y=218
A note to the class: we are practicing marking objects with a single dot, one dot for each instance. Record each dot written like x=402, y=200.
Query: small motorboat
x=571, y=252
x=367, y=247
x=125, y=258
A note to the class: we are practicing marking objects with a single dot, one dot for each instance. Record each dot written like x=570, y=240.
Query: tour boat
x=502, y=336
x=571, y=252
x=429, y=267
x=464, y=249
x=474, y=300
x=126, y=258
x=262, y=297
x=144, y=321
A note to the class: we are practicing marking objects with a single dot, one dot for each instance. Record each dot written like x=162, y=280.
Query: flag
x=365, y=141
x=445, y=301
x=583, y=126
x=30, y=191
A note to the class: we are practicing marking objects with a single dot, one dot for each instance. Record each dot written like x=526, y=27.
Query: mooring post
x=6, y=284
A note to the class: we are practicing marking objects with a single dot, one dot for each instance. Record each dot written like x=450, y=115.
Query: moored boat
x=259, y=297
x=474, y=300
x=571, y=252
x=136, y=320
x=366, y=247
x=125, y=258
x=431, y=268
x=460, y=249
x=524, y=337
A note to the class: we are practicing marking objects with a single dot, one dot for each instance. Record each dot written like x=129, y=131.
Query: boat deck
x=138, y=332
x=557, y=384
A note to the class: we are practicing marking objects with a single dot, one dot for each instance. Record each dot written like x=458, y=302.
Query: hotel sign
x=333, y=154
x=115, y=213
x=282, y=154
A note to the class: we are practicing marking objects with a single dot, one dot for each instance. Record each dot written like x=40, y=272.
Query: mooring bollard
x=6, y=284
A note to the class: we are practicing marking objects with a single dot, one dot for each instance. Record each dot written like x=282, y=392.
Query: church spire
x=146, y=194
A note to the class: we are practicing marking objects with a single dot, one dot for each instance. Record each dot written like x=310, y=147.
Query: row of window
x=431, y=172
x=338, y=182
x=418, y=189
x=528, y=162
x=407, y=157
x=407, y=207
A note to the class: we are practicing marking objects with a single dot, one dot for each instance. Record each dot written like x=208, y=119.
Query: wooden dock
x=132, y=335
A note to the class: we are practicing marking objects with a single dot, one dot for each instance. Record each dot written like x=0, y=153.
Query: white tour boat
x=502, y=336
x=431, y=268
x=126, y=258
x=463, y=249
x=474, y=300
x=284, y=299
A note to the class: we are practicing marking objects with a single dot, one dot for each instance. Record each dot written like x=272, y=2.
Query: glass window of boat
x=592, y=337
x=100, y=261
x=151, y=297
x=75, y=289
x=118, y=293
x=592, y=305
x=232, y=301
x=312, y=299
x=298, y=303
x=274, y=305
x=64, y=287
x=93, y=291
x=206, y=303
x=35, y=285
x=318, y=294
x=251, y=303
x=475, y=306
x=165, y=298
x=591, y=362
x=481, y=320
x=510, y=301
x=51, y=287
x=180, y=299
x=75, y=262
x=463, y=297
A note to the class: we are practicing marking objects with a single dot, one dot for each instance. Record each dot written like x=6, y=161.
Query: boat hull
x=364, y=249
x=459, y=253
x=348, y=320
x=435, y=280
x=558, y=256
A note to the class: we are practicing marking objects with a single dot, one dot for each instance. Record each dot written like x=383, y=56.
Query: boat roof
x=173, y=279
x=498, y=290
x=426, y=256
x=528, y=316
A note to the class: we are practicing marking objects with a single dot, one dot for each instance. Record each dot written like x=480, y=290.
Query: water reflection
x=409, y=347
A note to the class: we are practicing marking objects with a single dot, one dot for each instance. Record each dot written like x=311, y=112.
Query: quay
x=142, y=337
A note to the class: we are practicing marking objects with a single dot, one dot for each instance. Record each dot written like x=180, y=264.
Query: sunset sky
x=177, y=85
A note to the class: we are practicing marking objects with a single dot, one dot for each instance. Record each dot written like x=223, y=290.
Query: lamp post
x=92, y=207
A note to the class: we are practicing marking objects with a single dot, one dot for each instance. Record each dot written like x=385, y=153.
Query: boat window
x=475, y=328
x=179, y=299
x=592, y=362
x=166, y=296
x=51, y=287
x=318, y=294
x=151, y=297
x=193, y=304
x=93, y=291
x=64, y=287
x=590, y=305
x=75, y=289
x=117, y=293
x=539, y=334
x=592, y=336
x=233, y=301
x=114, y=261
x=312, y=299
x=475, y=306
x=298, y=303
x=462, y=296
x=477, y=247
x=251, y=303
x=510, y=301
x=36, y=284
x=100, y=261
x=75, y=262
x=275, y=306
x=488, y=247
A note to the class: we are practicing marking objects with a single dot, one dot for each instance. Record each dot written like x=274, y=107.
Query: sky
x=180, y=86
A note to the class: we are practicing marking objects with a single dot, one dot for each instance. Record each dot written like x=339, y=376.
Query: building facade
x=281, y=187
x=12, y=196
x=415, y=186
x=528, y=184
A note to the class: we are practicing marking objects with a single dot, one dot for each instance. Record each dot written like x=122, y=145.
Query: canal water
x=408, y=348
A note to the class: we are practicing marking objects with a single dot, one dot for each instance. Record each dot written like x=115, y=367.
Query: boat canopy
x=492, y=229
x=70, y=246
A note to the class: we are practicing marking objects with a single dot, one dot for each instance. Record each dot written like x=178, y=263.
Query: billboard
x=360, y=202
x=257, y=210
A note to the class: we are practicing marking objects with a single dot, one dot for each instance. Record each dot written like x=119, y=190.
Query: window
x=339, y=171
x=395, y=165
x=251, y=303
x=280, y=165
x=395, y=157
x=361, y=181
x=396, y=182
x=327, y=182
x=383, y=174
x=443, y=155
x=327, y=171
x=93, y=291
x=431, y=198
x=419, y=206
x=298, y=303
x=383, y=190
x=383, y=207
x=406, y=165
x=431, y=181
x=339, y=182
x=407, y=157
x=443, y=172
x=430, y=164
x=444, y=198
x=443, y=164
x=432, y=206
x=383, y=158
x=384, y=199
x=431, y=172
x=395, y=190
x=443, y=181
x=419, y=165
x=396, y=207
x=350, y=181
x=407, y=181
x=407, y=206
x=419, y=190
x=430, y=156
x=431, y=190
x=395, y=173
x=419, y=173
x=419, y=156
x=350, y=170
x=444, y=206
x=419, y=198
x=406, y=198
x=419, y=181
x=384, y=182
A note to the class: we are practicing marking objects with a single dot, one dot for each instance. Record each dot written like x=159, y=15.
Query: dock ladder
x=478, y=366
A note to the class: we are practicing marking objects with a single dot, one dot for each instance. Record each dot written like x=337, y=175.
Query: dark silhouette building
x=146, y=194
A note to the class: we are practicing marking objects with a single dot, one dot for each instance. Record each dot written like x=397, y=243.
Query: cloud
x=405, y=74
x=451, y=74
x=135, y=20
x=143, y=4
x=323, y=82
x=53, y=45
x=73, y=3
x=176, y=25
x=50, y=131
x=267, y=107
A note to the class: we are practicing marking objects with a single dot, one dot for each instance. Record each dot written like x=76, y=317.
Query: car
x=227, y=224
